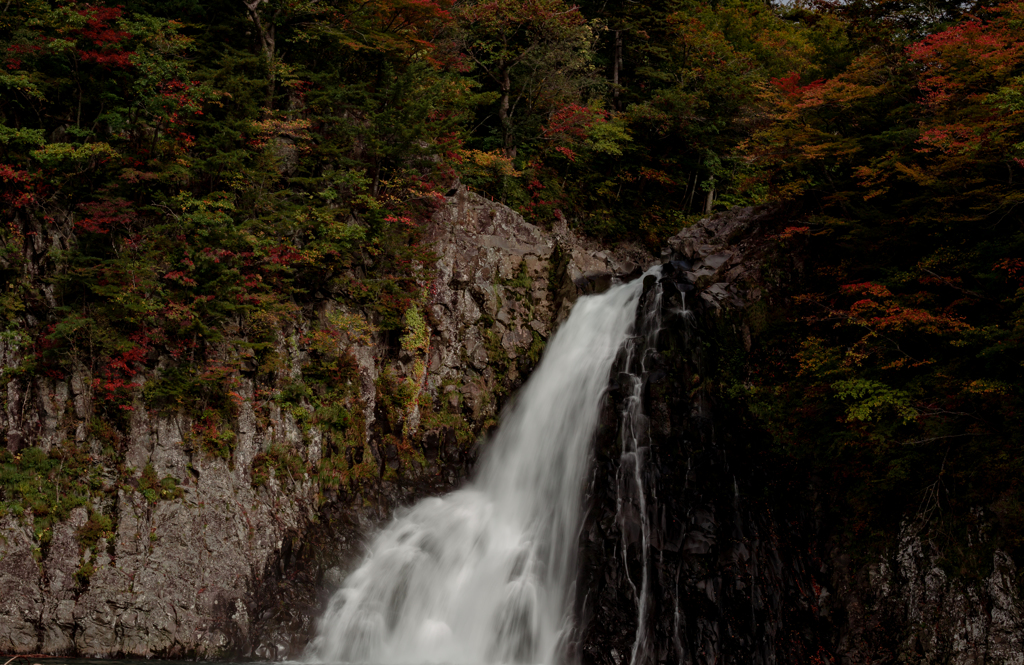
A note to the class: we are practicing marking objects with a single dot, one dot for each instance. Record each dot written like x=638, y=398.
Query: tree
x=901, y=381
x=535, y=55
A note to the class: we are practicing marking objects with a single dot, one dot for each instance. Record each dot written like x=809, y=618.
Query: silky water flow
x=484, y=574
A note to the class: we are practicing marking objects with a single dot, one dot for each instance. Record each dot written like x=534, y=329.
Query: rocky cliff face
x=699, y=548
x=215, y=543
x=684, y=560
x=908, y=608
x=204, y=542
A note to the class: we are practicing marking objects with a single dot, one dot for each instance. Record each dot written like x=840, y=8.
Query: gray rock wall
x=233, y=567
x=225, y=566
x=905, y=605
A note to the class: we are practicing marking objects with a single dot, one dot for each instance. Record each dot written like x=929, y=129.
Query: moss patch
x=277, y=461
x=155, y=488
x=50, y=485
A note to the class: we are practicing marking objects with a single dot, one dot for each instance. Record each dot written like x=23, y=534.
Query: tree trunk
x=506, y=123
x=269, y=52
x=268, y=44
x=616, y=64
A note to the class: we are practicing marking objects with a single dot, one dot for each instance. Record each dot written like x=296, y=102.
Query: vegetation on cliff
x=179, y=178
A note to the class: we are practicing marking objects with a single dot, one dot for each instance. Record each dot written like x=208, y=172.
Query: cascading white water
x=483, y=575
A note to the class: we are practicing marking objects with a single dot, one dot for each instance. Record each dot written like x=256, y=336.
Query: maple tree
x=908, y=158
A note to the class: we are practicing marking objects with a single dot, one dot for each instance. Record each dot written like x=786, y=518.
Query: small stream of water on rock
x=485, y=574
x=632, y=513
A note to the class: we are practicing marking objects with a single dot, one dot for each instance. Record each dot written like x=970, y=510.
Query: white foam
x=483, y=575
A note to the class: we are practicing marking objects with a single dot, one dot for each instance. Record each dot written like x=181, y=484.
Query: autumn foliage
x=178, y=179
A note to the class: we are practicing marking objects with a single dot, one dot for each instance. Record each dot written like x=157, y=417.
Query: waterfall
x=632, y=512
x=485, y=574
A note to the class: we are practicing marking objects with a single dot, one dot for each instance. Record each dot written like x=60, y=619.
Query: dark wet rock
x=688, y=566
x=737, y=568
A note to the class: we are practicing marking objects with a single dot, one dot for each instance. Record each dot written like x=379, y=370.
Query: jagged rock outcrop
x=695, y=551
x=235, y=552
x=907, y=607
x=683, y=560
x=502, y=287
x=726, y=256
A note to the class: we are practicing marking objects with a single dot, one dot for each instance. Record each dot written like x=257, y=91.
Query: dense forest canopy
x=178, y=176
